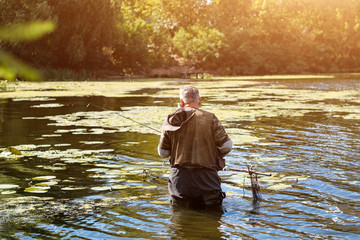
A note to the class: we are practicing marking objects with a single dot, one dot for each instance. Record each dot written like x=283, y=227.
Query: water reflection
x=193, y=224
x=102, y=179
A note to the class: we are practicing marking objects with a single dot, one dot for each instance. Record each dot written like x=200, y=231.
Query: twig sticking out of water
x=255, y=187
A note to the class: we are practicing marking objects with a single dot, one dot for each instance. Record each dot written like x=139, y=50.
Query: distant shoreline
x=76, y=88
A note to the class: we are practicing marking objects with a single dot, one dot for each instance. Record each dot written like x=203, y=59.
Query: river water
x=86, y=171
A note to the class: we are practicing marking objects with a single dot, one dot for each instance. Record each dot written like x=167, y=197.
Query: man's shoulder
x=205, y=113
x=202, y=111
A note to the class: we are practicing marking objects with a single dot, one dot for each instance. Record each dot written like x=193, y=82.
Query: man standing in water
x=196, y=143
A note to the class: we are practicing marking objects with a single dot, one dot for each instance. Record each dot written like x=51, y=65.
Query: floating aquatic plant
x=43, y=178
x=8, y=192
x=8, y=186
x=37, y=189
x=48, y=105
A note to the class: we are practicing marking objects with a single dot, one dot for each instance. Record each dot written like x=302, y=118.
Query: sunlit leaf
x=48, y=105
x=15, y=151
x=51, y=135
x=72, y=188
x=47, y=184
x=92, y=142
x=10, y=67
x=101, y=188
x=43, y=178
x=109, y=165
x=34, y=99
x=8, y=186
x=158, y=202
x=62, y=145
x=25, y=31
x=8, y=192
x=37, y=189
x=55, y=168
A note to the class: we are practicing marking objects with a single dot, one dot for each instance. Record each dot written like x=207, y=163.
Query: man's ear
x=182, y=103
x=199, y=101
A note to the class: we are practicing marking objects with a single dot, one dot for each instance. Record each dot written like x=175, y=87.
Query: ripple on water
x=101, y=176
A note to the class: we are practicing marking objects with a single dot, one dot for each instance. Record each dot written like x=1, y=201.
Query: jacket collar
x=176, y=120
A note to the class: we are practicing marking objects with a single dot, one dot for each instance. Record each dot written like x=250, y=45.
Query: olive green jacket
x=194, y=138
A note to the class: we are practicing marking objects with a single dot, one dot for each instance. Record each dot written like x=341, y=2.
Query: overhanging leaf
x=25, y=31
x=10, y=67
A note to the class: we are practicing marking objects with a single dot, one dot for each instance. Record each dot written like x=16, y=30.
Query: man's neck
x=192, y=105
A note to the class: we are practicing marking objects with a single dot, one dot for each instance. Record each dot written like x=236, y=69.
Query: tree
x=84, y=29
x=197, y=44
x=143, y=41
x=220, y=36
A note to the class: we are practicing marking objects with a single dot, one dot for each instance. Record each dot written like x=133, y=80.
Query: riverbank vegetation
x=102, y=38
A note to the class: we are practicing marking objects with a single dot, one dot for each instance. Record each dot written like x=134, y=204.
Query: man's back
x=195, y=143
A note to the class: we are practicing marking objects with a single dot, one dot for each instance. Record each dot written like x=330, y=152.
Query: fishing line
x=130, y=119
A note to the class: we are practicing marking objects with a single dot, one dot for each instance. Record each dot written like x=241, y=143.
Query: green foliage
x=84, y=29
x=10, y=67
x=186, y=13
x=25, y=32
x=196, y=44
x=144, y=40
x=219, y=36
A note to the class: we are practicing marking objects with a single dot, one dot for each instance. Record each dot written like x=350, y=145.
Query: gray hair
x=189, y=94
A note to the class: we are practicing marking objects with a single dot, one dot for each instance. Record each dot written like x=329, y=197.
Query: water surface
x=90, y=173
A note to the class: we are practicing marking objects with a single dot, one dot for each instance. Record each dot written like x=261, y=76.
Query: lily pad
x=55, y=168
x=47, y=184
x=48, y=105
x=35, y=99
x=37, y=189
x=158, y=202
x=51, y=135
x=107, y=188
x=62, y=145
x=105, y=176
x=72, y=188
x=14, y=150
x=119, y=187
x=109, y=165
x=97, y=170
x=92, y=142
x=8, y=186
x=43, y=178
x=8, y=192
x=278, y=187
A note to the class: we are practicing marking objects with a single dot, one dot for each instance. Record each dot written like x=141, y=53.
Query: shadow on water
x=195, y=224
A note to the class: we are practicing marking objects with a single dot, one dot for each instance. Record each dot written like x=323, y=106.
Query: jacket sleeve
x=164, y=148
x=222, y=139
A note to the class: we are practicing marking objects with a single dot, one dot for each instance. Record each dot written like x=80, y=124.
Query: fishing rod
x=130, y=119
x=19, y=151
x=250, y=171
x=255, y=187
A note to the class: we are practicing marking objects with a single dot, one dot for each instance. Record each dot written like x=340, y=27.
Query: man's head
x=189, y=95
